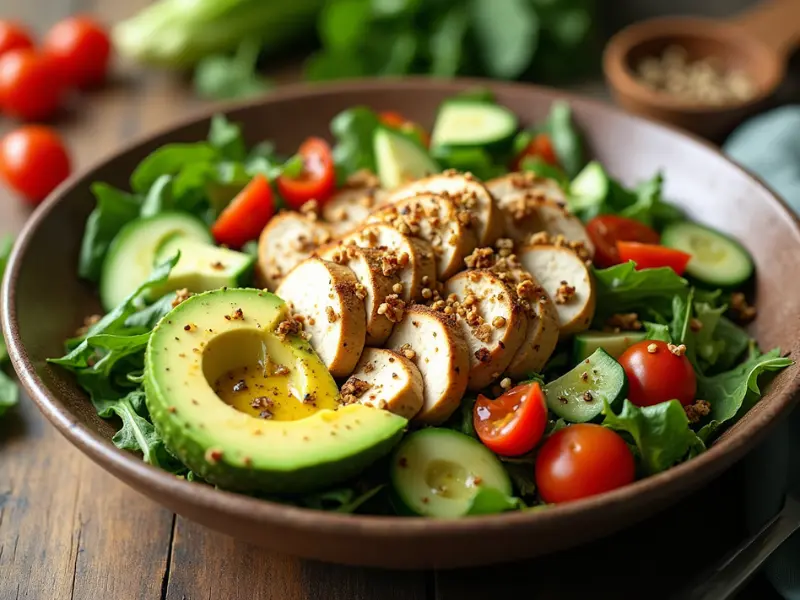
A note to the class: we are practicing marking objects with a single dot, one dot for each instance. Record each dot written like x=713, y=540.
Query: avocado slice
x=223, y=346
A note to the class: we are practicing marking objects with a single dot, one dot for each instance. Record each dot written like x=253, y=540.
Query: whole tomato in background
x=31, y=85
x=33, y=161
x=81, y=48
x=13, y=36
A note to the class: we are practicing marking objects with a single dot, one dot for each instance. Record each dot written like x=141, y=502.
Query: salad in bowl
x=468, y=321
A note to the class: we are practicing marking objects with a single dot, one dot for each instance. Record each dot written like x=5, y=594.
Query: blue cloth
x=769, y=146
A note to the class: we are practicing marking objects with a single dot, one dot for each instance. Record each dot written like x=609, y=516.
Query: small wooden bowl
x=757, y=43
x=44, y=302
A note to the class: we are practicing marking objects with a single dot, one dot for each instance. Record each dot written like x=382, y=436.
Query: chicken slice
x=385, y=379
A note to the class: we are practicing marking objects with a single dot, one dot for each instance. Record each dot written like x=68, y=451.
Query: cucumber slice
x=438, y=473
x=578, y=395
x=203, y=267
x=130, y=259
x=589, y=187
x=465, y=123
x=584, y=344
x=399, y=159
x=716, y=259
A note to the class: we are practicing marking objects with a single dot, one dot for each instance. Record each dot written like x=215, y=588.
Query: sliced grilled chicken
x=324, y=295
x=468, y=193
x=289, y=238
x=541, y=333
x=373, y=286
x=438, y=220
x=492, y=320
x=349, y=208
x=532, y=204
x=434, y=342
x=414, y=261
x=567, y=281
x=387, y=380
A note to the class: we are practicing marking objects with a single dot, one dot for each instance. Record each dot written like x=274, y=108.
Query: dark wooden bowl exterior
x=44, y=302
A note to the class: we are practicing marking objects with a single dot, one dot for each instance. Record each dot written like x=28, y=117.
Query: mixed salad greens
x=9, y=394
x=642, y=377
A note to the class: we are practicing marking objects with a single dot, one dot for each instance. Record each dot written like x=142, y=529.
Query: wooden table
x=69, y=530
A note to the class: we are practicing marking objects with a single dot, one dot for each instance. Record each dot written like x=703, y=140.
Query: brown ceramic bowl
x=44, y=302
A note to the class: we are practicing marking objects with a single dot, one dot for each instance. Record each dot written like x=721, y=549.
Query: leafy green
x=537, y=165
x=446, y=44
x=657, y=331
x=565, y=138
x=681, y=317
x=474, y=160
x=489, y=501
x=661, y=433
x=221, y=76
x=462, y=419
x=734, y=392
x=354, y=129
x=342, y=499
x=169, y=160
x=506, y=33
x=622, y=288
x=227, y=138
x=735, y=341
x=114, y=209
x=9, y=393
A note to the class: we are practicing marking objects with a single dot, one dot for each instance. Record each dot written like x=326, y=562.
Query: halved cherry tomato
x=318, y=179
x=14, y=36
x=81, y=47
x=395, y=120
x=649, y=256
x=513, y=423
x=581, y=461
x=31, y=85
x=33, y=161
x=246, y=215
x=656, y=374
x=540, y=146
x=606, y=230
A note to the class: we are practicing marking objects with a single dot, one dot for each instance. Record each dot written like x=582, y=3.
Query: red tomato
x=657, y=376
x=33, y=161
x=246, y=215
x=81, y=47
x=395, y=120
x=649, y=256
x=606, y=230
x=318, y=179
x=13, y=36
x=30, y=85
x=581, y=461
x=540, y=146
x=513, y=423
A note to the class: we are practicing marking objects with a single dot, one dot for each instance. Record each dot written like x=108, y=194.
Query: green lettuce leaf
x=354, y=129
x=489, y=501
x=661, y=433
x=565, y=138
x=622, y=288
x=169, y=160
x=734, y=392
x=9, y=392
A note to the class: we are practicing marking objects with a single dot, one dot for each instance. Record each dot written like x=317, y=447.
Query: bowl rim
x=719, y=456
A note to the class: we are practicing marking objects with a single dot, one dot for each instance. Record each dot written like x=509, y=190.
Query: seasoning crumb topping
x=88, y=323
x=499, y=322
x=361, y=291
x=181, y=296
x=564, y=293
x=587, y=396
x=217, y=266
x=213, y=456
x=393, y=308
x=353, y=389
x=505, y=383
x=695, y=324
x=287, y=327
x=481, y=258
x=240, y=386
x=407, y=351
x=652, y=348
x=623, y=322
x=697, y=410
x=190, y=327
x=238, y=315
x=483, y=355
x=677, y=350
x=261, y=402
x=310, y=209
x=741, y=311
x=331, y=314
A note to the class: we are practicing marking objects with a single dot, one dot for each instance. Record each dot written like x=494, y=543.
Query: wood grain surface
x=68, y=530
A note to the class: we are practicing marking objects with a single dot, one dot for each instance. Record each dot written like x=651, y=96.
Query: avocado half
x=213, y=333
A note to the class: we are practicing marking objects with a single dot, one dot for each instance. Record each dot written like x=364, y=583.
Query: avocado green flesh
x=240, y=451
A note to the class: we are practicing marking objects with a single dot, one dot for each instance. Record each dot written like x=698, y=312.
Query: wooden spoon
x=757, y=42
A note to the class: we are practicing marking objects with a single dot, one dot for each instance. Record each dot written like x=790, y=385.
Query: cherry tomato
x=581, y=461
x=649, y=256
x=656, y=374
x=13, y=36
x=246, y=215
x=540, y=146
x=30, y=85
x=318, y=179
x=513, y=423
x=82, y=48
x=606, y=230
x=33, y=161
x=395, y=120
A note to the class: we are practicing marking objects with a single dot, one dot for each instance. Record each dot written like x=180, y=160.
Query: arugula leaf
x=462, y=419
x=649, y=207
x=158, y=198
x=661, y=432
x=734, y=392
x=227, y=138
x=622, y=288
x=220, y=76
x=657, y=331
x=565, y=138
x=148, y=317
x=114, y=209
x=489, y=501
x=536, y=164
x=474, y=160
x=506, y=32
x=169, y=160
x=735, y=341
x=706, y=347
x=354, y=129
x=681, y=317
